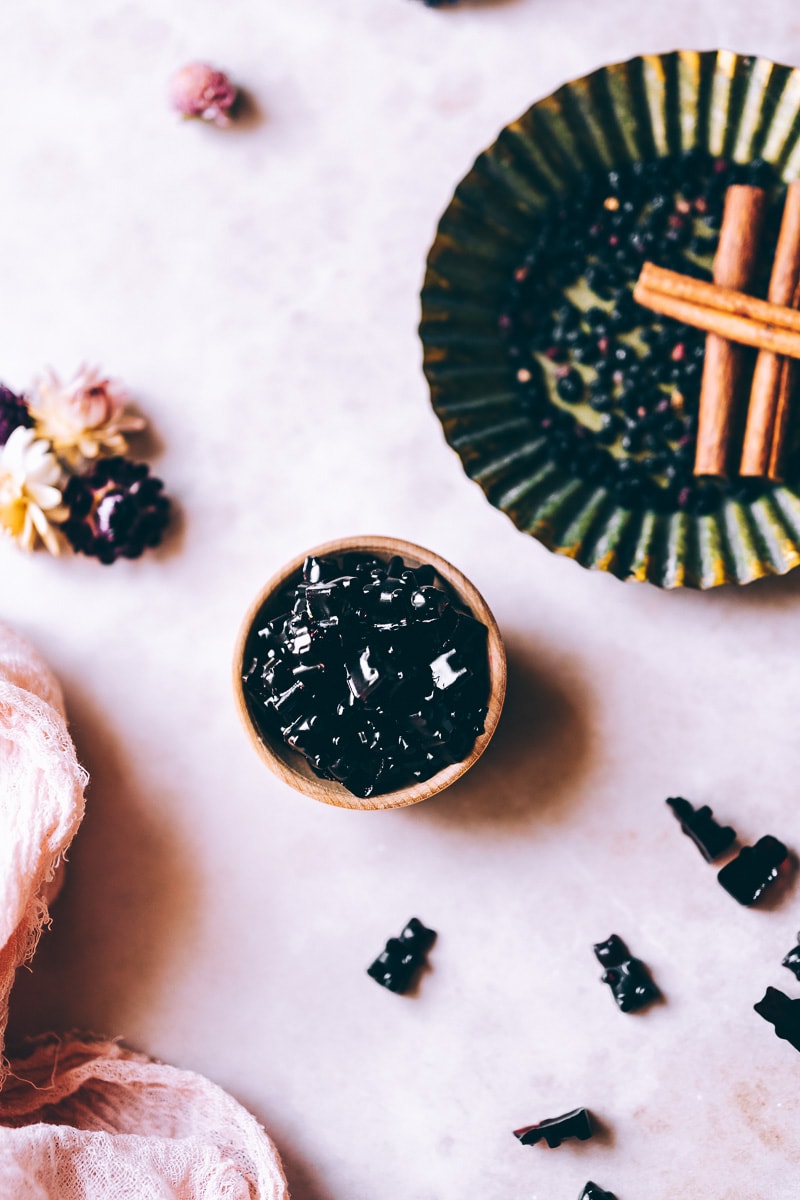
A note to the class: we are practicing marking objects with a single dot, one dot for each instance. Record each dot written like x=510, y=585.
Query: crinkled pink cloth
x=84, y=1119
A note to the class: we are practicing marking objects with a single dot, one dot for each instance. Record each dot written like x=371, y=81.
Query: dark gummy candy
x=783, y=1013
x=711, y=839
x=792, y=960
x=575, y=1124
x=373, y=671
x=593, y=1192
x=397, y=965
x=627, y=977
x=748, y=875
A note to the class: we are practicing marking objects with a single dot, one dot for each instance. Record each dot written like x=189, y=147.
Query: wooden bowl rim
x=326, y=790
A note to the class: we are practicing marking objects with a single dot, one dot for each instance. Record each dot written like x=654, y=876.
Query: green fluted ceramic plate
x=732, y=106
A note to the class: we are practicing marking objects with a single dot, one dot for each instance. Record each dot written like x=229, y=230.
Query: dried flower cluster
x=64, y=479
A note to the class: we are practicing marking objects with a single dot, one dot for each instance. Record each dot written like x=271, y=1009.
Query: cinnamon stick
x=658, y=282
x=782, y=410
x=781, y=425
x=778, y=334
x=771, y=378
x=734, y=267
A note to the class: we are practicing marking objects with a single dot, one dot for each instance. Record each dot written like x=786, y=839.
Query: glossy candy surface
x=399, y=962
x=792, y=960
x=373, y=671
x=627, y=977
x=748, y=875
x=711, y=839
x=555, y=1130
x=782, y=1012
x=593, y=1192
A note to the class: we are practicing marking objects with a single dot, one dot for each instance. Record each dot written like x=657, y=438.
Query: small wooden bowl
x=290, y=766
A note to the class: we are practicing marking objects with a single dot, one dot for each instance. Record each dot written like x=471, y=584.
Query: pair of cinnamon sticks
x=734, y=318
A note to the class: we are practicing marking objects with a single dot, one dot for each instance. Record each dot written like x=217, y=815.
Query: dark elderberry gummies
x=555, y=1130
x=711, y=839
x=398, y=963
x=593, y=1192
x=783, y=1013
x=753, y=870
x=630, y=983
x=792, y=959
x=373, y=671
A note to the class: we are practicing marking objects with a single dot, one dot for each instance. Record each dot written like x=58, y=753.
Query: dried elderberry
x=627, y=977
x=748, y=875
x=711, y=839
x=666, y=210
x=402, y=957
x=555, y=1130
x=373, y=671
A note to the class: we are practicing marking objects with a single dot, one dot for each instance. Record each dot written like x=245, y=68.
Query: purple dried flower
x=115, y=511
x=13, y=413
x=198, y=90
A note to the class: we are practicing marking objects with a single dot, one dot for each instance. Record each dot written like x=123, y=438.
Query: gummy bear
x=747, y=876
x=627, y=977
x=555, y=1130
x=396, y=966
x=711, y=839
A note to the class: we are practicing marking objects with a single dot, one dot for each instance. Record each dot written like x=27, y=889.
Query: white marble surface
x=257, y=290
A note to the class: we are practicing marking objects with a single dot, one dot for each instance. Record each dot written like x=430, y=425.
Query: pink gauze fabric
x=82, y=1118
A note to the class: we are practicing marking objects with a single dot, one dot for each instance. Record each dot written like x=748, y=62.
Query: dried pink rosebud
x=198, y=90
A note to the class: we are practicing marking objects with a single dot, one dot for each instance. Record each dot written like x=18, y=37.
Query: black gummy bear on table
x=555, y=1130
x=399, y=962
x=792, y=960
x=711, y=839
x=747, y=876
x=782, y=1012
x=593, y=1192
x=627, y=977
x=373, y=671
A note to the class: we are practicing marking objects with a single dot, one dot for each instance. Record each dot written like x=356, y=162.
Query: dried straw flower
x=117, y=510
x=85, y=418
x=28, y=474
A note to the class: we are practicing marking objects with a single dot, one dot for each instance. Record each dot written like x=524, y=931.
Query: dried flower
x=197, y=90
x=13, y=413
x=85, y=418
x=116, y=511
x=28, y=474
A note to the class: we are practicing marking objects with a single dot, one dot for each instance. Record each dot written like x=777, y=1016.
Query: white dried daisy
x=29, y=472
x=85, y=418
